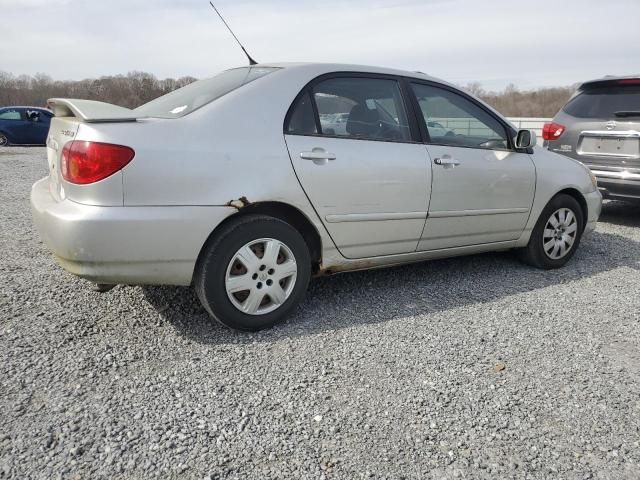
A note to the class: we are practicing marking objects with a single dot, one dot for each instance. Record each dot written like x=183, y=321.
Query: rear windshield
x=605, y=103
x=195, y=95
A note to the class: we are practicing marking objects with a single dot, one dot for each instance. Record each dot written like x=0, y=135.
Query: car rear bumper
x=623, y=185
x=132, y=245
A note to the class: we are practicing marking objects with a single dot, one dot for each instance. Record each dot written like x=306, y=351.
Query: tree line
x=512, y=102
x=136, y=88
x=130, y=90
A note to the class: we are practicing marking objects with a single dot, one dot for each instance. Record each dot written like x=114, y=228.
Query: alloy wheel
x=560, y=233
x=261, y=276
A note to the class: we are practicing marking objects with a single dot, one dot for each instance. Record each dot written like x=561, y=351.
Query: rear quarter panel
x=231, y=149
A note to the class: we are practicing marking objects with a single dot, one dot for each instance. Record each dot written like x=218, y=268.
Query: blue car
x=24, y=125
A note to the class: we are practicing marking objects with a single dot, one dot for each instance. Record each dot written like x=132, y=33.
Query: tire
x=4, y=140
x=231, y=261
x=567, y=233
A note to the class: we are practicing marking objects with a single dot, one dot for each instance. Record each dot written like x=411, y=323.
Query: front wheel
x=253, y=273
x=556, y=236
x=4, y=140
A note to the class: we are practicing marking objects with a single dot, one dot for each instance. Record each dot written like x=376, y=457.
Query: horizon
x=178, y=77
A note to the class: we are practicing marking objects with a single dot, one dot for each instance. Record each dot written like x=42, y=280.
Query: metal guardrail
x=463, y=126
x=473, y=127
x=530, y=123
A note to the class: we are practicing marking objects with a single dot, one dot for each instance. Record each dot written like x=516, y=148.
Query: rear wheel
x=4, y=141
x=557, y=234
x=253, y=273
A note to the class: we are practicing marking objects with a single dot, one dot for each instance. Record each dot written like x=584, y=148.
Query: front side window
x=361, y=108
x=33, y=115
x=453, y=120
x=10, y=115
x=195, y=95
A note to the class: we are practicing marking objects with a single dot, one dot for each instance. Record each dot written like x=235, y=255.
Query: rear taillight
x=89, y=162
x=552, y=131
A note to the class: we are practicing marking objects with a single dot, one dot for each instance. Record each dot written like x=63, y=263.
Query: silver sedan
x=245, y=185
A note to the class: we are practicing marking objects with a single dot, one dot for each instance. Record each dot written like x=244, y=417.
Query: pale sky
x=496, y=42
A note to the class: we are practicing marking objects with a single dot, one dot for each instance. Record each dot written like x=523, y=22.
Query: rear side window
x=364, y=108
x=352, y=107
x=187, y=99
x=302, y=120
x=10, y=115
x=34, y=115
x=605, y=103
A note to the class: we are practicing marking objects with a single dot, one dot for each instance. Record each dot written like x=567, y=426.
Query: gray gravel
x=475, y=367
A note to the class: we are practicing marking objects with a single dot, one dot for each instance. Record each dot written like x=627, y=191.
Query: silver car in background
x=600, y=126
x=246, y=184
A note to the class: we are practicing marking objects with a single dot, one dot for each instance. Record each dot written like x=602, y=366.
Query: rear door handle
x=319, y=156
x=447, y=161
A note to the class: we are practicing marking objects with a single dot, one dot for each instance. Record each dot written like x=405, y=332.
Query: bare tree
x=541, y=102
x=130, y=91
x=136, y=88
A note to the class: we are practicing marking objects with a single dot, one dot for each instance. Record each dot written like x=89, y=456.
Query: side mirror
x=526, y=139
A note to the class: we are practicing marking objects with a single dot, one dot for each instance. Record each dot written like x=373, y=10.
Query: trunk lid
x=69, y=116
x=614, y=147
x=604, y=144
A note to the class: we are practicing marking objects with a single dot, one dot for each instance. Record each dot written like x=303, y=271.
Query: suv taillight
x=89, y=162
x=552, y=131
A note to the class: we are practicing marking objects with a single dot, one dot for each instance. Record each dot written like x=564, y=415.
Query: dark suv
x=600, y=126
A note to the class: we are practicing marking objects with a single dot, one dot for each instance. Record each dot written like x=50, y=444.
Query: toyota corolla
x=245, y=185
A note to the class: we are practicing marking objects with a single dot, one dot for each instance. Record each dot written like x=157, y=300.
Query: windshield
x=187, y=99
x=605, y=102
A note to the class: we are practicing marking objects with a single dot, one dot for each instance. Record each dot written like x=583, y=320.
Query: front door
x=38, y=126
x=482, y=188
x=351, y=146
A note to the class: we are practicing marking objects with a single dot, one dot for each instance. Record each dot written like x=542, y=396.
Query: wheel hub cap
x=261, y=276
x=559, y=233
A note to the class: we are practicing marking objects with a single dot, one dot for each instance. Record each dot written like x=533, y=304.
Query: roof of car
x=609, y=79
x=317, y=69
x=348, y=67
x=26, y=106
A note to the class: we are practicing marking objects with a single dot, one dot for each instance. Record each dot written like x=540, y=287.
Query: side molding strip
x=374, y=217
x=473, y=213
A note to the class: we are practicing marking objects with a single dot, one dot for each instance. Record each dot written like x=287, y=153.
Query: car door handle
x=318, y=155
x=447, y=161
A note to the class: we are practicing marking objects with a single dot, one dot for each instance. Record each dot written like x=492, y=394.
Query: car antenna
x=251, y=60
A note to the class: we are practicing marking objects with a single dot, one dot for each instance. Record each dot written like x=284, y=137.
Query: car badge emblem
x=610, y=125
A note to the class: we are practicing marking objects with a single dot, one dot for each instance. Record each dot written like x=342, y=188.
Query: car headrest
x=362, y=121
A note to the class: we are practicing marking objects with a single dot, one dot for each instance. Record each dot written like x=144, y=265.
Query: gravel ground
x=475, y=367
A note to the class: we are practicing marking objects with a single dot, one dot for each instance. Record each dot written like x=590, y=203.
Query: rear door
x=359, y=161
x=39, y=121
x=14, y=125
x=482, y=189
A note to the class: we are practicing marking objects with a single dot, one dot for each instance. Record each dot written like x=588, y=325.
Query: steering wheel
x=386, y=130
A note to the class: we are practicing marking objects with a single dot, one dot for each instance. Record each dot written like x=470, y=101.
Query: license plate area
x=608, y=145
